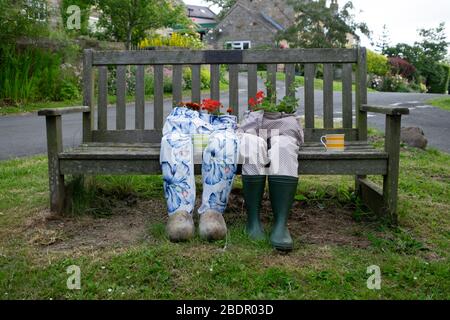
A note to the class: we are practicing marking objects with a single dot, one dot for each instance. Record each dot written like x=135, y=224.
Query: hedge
x=438, y=79
x=377, y=64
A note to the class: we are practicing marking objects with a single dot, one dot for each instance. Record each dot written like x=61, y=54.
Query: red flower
x=193, y=106
x=211, y=105
x=259, y=99
x=260, y=95
x=230, y=110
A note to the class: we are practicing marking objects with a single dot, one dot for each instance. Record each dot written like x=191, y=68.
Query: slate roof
x=200, y=12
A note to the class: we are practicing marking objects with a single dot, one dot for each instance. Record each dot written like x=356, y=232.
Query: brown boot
x=212, y=226
x=180, y=227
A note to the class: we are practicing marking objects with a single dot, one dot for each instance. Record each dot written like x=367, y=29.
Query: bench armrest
x=54, y=127
x=62, y=111
x=391, y=111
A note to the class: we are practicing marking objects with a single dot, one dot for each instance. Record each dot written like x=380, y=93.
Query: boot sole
x=283, y=247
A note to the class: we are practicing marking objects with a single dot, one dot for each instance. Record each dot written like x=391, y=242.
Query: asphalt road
x=24, y=135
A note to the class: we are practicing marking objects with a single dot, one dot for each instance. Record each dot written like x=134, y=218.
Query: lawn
x=115, y=234
x=442, y=103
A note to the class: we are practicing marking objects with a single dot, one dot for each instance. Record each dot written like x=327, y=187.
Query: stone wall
x=239, y=25
x=278, y=10
x=246, y=23
x=54, y=13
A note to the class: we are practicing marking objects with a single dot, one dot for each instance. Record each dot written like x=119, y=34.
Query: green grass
x=318, y=83
x=414, y=258
x=442, y=103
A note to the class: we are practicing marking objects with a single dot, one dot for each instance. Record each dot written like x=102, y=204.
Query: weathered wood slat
x=276, y=56
x=361, y=93
x=290, y=80
x=314, y=135
x=152, y=166
x=63, y=111
x=127, y=136
x=112, y=153
x=108, y=167
x=102, y=98
x=88, y=94
x=121, y=111
x=390, y=180
x=215, y=82
x=56, y=178
x=348, y=147
x=252, y=80
x=87, y=146
x=347, y=155
x=310, y=70
x=347, y=96
x=343, y=167
x=159, y=97
x=177, y=84
x=151, y=151
x=388, y=110
x=140, y=98
x=234, y=88
x=272, y=81
x=196, y=83
x=328, y=76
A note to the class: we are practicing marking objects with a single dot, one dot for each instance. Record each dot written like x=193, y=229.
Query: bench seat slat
x=152, y=151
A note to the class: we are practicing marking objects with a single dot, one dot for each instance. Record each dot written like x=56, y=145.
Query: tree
x=224, y=5
x=384, y=41
x=128, y=20
x=319, y=26
x=16, y=21
x=426, y=55
x=434, y=42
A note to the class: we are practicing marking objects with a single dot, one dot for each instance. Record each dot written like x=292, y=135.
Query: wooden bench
x=136, y=150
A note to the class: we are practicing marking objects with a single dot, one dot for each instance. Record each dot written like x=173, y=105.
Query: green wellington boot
x=282, y=193
x=253, y=194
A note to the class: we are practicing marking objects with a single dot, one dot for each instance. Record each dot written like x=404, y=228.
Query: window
x=238, y=45
x=37, y=10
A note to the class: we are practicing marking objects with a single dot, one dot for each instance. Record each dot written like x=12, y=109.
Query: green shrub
x=438, y=78
x=69, y=91
x=377, y=64
x=178, y=40
x=395, y=83
x=187, y=78
x=149, y=81
x=35, y=75
x=205, y=78
x=130, y=78
x=168, y=85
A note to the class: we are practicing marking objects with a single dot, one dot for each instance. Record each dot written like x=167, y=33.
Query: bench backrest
x=95, y=87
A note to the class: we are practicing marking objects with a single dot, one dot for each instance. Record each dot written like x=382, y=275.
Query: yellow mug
x=334, y=142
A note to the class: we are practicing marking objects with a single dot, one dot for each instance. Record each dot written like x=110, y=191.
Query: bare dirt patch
x=310, y=224
x=126, y=226
x=130, y=223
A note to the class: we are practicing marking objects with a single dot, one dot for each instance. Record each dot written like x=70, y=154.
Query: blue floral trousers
x=219, y=160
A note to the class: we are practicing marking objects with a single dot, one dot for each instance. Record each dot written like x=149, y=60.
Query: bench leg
x=390, y=181
x=358, y=188
x=54, y=147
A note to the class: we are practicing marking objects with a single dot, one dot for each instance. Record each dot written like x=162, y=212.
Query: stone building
x=254, y=24
x=251, y=24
